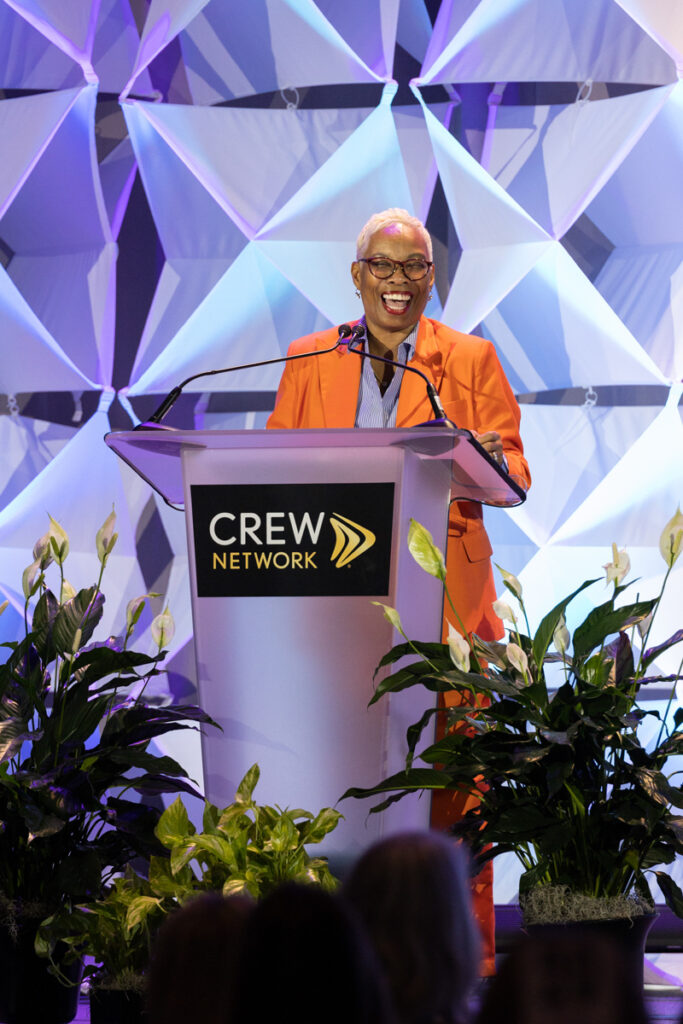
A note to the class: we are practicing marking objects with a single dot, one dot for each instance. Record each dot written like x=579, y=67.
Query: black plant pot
x=113, y=1006
x=629, y=933
x=28, y=993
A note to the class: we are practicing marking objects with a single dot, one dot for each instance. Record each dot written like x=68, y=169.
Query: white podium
x=291, y=536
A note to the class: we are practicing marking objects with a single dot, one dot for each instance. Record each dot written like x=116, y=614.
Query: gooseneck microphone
x=344, y=332
x=437, y=408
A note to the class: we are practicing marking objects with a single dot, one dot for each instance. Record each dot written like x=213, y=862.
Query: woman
x=393, y=273
x=411, y=894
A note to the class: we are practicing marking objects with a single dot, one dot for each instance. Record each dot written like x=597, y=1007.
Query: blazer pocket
x=477, y=545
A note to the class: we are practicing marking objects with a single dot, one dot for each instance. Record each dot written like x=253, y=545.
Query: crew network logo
x=292, y=540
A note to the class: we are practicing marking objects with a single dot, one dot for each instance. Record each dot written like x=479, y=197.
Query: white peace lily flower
x=503, y=610
x=561, y=636
x=78, y=636
x=425, y=552
x=459, y=649
x=671, y=540
x=619, y=567
x=59, y=535
x=163, y=628
x=134, y=609
x=68, y=592
x=517, y=658
x=28, y=580
x=42, y=550
x=391, y=615
x=106, y=538
x=511, y=581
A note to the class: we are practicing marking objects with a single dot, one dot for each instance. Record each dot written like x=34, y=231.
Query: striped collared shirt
x=375, y=409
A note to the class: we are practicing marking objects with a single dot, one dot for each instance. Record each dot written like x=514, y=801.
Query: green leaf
x=324, y=822
x=83, y=612
x=174, y=825
x=544, y=633
x=410, y=781
x=671, y=892
x=246, y=787
x=139, y=910
x=605, y=620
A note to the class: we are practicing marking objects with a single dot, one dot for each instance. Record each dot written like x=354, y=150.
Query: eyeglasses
x=382, y=267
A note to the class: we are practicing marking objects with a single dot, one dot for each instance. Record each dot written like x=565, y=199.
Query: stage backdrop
x=181, y=185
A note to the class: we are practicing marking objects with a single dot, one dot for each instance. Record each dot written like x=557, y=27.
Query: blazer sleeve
x=288, y=413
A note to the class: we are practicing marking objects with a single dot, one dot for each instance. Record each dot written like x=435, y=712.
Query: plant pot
x=629, y=933
x=116, y=1006
x=28, y=993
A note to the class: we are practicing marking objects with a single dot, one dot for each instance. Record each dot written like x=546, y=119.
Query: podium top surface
x=154, y=454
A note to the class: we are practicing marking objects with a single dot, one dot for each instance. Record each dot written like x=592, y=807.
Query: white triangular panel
x=260, y=47
x=642, y=203
x=58, y=491
x=660, y=19
x=644, y=287
x=67, y=25
x=554, y=160
x=182, y=287
x=30, y=61
x=554, y=330
x=484, y=277
x=27, y=124
x=27, y=445
x=242, y=320
x=544, y=41
x=483, y=213
x=43, y=366
x=231, y=151
x=364, y=175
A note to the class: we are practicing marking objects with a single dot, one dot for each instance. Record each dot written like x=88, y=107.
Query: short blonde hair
x=382, y=220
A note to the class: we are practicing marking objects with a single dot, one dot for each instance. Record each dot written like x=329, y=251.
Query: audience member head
x=305, y=956
x=411, y=891
x=193, y=964
x=565, y=975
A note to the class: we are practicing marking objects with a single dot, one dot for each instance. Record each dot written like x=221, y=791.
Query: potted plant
x=74, y=736
x=116, y=933
x=243, y=848
x=564, y=779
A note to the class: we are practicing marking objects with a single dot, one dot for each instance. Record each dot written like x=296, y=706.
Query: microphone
x=437, y=408
x=154, y=422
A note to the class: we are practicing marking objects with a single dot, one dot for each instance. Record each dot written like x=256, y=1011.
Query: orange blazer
x=323, y=392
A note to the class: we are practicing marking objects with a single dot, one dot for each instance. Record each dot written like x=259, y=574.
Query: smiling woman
x=393, y=273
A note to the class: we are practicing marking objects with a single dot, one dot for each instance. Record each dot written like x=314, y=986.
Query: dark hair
x=411, y=892
x=304, y=954
x=565, y=973
x=192, y=969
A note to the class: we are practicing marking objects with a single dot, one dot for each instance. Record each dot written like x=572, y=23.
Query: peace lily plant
x=563, y=778
x=75, y=731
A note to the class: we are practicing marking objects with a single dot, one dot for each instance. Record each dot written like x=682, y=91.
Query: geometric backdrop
x=181, y=186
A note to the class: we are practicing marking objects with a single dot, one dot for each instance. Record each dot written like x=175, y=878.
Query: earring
x=429, y=296
x=357, y=293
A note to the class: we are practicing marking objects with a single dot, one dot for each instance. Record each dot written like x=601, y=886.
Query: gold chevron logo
x=352, y=540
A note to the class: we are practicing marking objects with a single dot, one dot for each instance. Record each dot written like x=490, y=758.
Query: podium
x=292, y=534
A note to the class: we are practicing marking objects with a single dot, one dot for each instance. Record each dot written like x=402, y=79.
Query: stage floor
x=663, y=990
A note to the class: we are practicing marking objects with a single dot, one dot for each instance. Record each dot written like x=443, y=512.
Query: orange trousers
x=447, y=807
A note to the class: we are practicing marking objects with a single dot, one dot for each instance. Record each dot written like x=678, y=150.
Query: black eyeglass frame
x=396, y=263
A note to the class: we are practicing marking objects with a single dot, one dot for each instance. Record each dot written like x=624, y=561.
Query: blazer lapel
x=413, y=403
x=339, y=382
